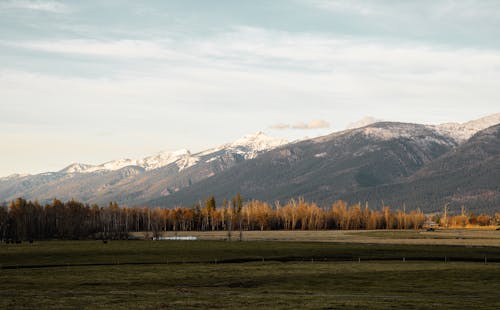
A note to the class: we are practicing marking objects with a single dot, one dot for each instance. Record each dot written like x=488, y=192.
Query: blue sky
x=91, y=81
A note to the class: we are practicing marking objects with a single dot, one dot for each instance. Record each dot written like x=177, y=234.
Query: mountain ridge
x=349, y=164
x=322, y=169
x=121, y=179
x=255, y=143
x=466, y=176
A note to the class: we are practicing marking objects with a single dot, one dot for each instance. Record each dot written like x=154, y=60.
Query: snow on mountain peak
x=258, y=141
x=456, y=132
x=420, y=134
x=250, y=145
x=14, y=176
x=461, y=132
x=388, y=131
x=117, y=164
x=162, y=159
x=149, y=163
x=77, y=168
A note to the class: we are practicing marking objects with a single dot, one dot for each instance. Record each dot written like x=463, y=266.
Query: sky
x=93, y=81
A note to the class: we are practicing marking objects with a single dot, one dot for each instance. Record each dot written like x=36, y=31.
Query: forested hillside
x=466, y=176
x=326, y=168
x=392, y=163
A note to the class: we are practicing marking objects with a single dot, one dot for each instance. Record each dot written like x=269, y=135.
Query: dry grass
x=463, y=237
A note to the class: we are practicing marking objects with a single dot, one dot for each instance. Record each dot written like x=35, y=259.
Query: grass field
x=247, y=275
x=462, y=237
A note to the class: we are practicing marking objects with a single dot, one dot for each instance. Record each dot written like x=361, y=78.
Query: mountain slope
x=462, y=132
x=326, y=168
x=468, y=175
x=134, y=181
x=420, y=166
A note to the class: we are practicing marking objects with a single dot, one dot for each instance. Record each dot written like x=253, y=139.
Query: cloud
x=280, y=66
x=217, y=79
x=254, y=49
x=46, y=6
x=315, y=124
x=347, y=6
x=252, y=69
x=280, y=126
x=411, y=10
x=114, y=49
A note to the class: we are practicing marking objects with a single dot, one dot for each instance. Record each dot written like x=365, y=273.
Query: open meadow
x=463, y=237
x=253, y=274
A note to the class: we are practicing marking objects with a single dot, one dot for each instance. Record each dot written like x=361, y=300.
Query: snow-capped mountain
x=251, y=145
x=13, y=176
x=422, y=135
x=131, y=180
x=461, y=132
x=396, y=164
x=325, y=168
x=183, y=157
x=345, y=161
x=248, y=147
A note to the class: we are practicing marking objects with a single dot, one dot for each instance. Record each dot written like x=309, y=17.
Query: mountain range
x=390, y=163
x=132, y=182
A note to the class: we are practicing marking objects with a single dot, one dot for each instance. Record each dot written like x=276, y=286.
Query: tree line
x=28, y=220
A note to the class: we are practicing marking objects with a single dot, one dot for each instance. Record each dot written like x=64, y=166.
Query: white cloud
x=258, y=48
x=416, y=11
x=254, y=49
x=315, y=124
x=464, y=9
x=252, y=64
x=349, y=6
x=245, y=79
x=278, y=70
x=46, y=6
x=280, y=126
x=116, y=48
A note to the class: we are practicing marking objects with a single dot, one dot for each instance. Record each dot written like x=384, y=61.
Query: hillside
x=131, y=182
x=326, y=168
x=466, y=176
x=419, y=166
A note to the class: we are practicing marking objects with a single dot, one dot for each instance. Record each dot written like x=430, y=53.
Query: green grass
x=192, y=279
x=146, y=252
x=376, y=285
